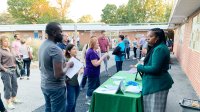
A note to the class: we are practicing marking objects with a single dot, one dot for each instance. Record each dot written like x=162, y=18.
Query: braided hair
x=159, y=33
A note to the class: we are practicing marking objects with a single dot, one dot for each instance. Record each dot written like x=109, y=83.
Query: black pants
x=2, y=108
x=119, y=65
x=84, y=81
x=27, y=63
x=134, y=50
x=93, y=83
x=128, y=52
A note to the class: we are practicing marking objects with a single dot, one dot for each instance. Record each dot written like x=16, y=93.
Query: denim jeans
x=72, y=95
x=127, y=52
x=55, y=99
x=10, y=84
x=93, y=83
x=84, y=81
x=27, y=63
x=119, y=65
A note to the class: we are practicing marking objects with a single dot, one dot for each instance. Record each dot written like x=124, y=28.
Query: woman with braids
x=156, y=80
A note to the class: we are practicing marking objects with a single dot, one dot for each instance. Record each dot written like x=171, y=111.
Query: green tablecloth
x=127, y=102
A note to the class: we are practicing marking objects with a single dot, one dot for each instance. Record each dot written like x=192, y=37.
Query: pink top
x=16, y=45
x=103, y=44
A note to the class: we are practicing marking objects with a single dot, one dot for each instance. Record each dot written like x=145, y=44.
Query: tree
x=6, y=18
x=135, y=10
x=32, y=11
x=122, y=15
x=109, y=14
x=63, y=8
x=85, y=19
x=154, y=11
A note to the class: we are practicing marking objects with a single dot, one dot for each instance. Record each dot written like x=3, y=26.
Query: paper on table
x=77, y=66
x=133, y=89
x=105, y=90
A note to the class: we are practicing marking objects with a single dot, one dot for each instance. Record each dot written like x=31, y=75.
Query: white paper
x=77, y=66
x=133, y=89
x=105, y=90
x=117, y=78
x=80, y=78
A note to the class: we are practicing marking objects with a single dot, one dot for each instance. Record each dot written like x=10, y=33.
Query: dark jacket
x=156, y=77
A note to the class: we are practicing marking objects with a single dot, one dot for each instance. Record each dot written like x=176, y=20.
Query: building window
x=181, y=34
x=195, y=35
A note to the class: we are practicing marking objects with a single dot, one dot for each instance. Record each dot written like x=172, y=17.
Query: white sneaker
x=134, y=58
x=88, y=98
x=88, y=102
x=10, y=106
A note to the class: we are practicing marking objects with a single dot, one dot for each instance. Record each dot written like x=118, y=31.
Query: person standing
x=120, y=58
x=140, y=45
x=127, y=46
x=156, y=80
x=135, y=48
x=26, y=52
x=64, y=43
x=93, y=63
x=53, y=70
x=73, y=88
x=16, y=45
x=8, y=74
x=104, y=47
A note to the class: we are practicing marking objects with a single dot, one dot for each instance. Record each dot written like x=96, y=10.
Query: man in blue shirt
x=127, y=47
x=64, y=42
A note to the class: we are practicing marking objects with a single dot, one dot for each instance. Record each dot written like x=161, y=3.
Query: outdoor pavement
x=30, y=93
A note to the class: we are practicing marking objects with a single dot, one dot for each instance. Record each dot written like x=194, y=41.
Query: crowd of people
x=60, y=91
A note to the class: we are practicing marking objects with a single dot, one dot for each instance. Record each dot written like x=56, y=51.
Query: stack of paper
x=133, y=89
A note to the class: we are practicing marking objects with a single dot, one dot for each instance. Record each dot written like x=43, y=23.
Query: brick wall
x=188, y=58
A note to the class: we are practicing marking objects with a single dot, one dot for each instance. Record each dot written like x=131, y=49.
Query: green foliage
x=109, y=14
x=138, y=11
x=135, y=10
x=6, y=18
x=85, y=19
x=122, y=14
x=36, y=11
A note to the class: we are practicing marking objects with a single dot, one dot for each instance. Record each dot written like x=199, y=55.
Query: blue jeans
x=72, y=95
x=55, y=99
x=93, y=83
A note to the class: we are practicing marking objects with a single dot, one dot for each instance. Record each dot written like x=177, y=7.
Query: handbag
x=117, y=51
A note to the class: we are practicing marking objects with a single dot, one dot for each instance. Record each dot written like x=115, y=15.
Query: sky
x=79, y=8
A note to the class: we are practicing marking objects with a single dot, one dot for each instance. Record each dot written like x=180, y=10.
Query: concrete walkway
x=33, y=101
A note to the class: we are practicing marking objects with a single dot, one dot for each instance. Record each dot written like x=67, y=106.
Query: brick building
x=185, y=20
x=84, y=31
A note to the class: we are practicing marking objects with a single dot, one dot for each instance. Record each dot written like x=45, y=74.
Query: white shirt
x=24, y=49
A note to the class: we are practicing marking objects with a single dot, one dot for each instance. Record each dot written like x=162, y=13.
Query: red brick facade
x=188, y=58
